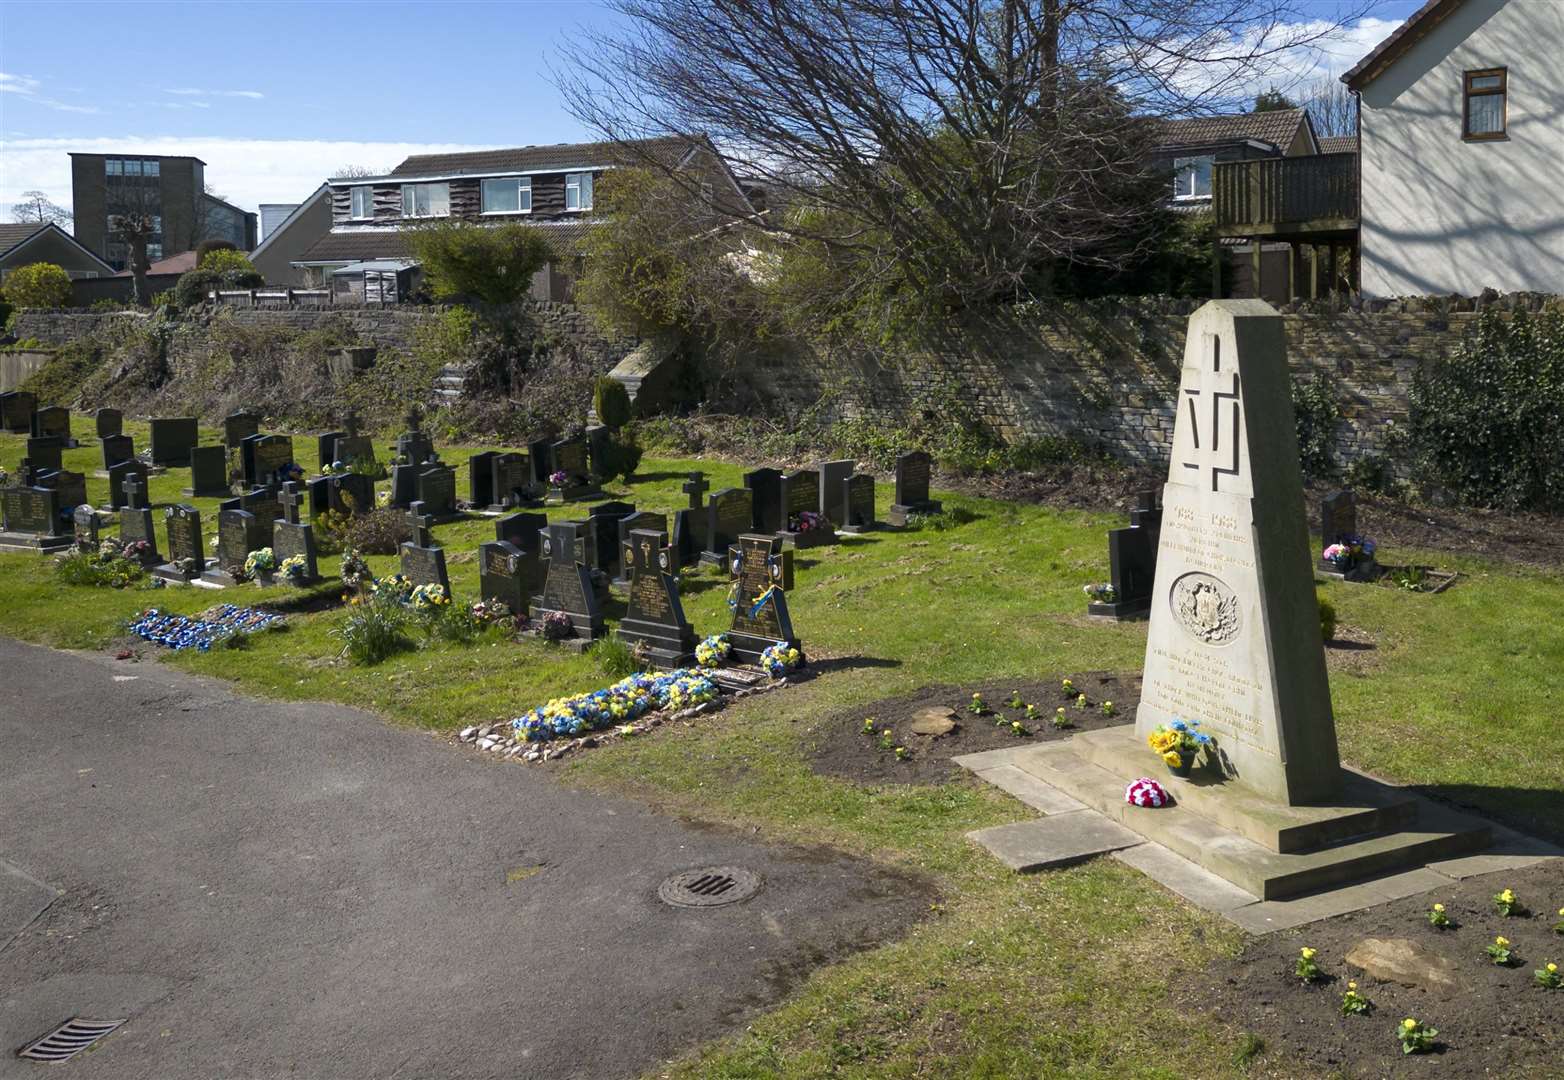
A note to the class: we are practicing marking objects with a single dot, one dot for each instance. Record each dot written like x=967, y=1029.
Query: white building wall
x=1441, y=215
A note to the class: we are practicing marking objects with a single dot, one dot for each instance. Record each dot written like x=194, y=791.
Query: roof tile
x=1278, y=127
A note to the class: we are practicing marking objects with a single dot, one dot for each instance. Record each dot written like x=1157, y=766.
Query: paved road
x=273, y=890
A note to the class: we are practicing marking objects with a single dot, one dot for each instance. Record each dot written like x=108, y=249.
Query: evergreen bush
x=1316, y=411
x=38, y=285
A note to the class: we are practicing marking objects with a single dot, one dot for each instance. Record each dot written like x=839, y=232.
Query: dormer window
x=426, y=200
x=578, y=191
x=508, y=195
x=1192, y=177
x=1486, y=114
x=363, y=202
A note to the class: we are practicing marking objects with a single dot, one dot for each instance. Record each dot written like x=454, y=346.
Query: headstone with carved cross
x=290, y=498
x=420, y=522
x=761, y=571
x=567, y=582
x=654, y=621
x=1234, y=640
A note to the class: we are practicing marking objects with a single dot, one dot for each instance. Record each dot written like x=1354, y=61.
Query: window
x=578, y=191
x=512, y=195
x=151, y=168
x=132, y=166
x=1192, y=177
x=154, y=252
x=1487, y=104
x=113, y=167
x=426, y=200
x=364, y=202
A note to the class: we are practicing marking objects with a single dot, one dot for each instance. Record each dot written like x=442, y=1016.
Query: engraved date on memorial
x=1202, y=686
x=1205, y=607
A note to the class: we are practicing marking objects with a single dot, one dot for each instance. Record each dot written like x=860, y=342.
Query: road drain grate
x=68, y=1040
x=710, y=886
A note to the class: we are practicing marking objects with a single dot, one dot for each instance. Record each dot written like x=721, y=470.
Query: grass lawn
x=1061, y=973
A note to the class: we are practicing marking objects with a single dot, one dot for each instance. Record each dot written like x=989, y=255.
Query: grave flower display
x=1146, y=792
x=558, y=478
x=713, y=651
x=429, y=597
x=626, y=700
x=201, y=633
x=355, y=570
x=1350, y=551
x=1101, y=593
x=779, y=659
x=492, y=611
x=293, y=567
x=1178, y=744
x=259, y=562
x=395, y=587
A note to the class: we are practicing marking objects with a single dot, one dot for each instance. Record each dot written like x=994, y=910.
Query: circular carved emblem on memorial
x=548, y=548
x=662, y=559
x=1205, y=607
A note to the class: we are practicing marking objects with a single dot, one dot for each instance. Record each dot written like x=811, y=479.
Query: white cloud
x=25, y=86
x=247, y=171
x=188, y=91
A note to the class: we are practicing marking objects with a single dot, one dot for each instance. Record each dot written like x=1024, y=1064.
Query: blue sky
x=275, y=96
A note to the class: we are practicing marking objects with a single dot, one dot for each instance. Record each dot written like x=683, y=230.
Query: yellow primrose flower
x=1409, y=1023
x=1307, y=953
x=1553, y=967
x=1352, y=986
x=1439, y=907
x=1507, y=895
x=1501, y=940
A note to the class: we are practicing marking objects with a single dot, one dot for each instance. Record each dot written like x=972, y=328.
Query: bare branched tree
x=970, y=147
x=353, y=172
x=1332, y=107
x=134, y=208
x=35, y=206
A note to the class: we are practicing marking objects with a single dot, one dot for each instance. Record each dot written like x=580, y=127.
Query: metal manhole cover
x=710, y=886
x=68, y=1040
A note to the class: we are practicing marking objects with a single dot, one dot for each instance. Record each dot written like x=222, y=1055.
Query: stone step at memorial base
x=43, y=545
x=1214, y=825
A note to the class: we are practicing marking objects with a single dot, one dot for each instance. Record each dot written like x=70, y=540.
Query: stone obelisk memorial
x=1234, y=642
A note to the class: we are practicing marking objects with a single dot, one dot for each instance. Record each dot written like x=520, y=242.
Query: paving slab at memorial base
x=1070, y=832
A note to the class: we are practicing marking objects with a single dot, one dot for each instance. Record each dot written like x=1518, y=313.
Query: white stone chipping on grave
x=1235, y=634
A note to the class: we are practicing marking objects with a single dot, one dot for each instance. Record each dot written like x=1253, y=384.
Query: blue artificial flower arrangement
x=182, y=632
x=627, y=699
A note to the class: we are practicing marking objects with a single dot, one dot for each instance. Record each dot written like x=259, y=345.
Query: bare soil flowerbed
x=839, y=746
x=1496, y=1022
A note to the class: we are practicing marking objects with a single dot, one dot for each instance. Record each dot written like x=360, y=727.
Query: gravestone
x=239, y=426
x=570, y=457
x=117, y=448
x=522, y=530
x=646, y=521
x=239, y=532
x=1235, y=632
x=540, y=462
x=833, y=495
x=351, y=495
x=654, y=618
x=858, y=503
x=326, y=447
x=803, y=525
x=208, y=472
x=84, y=522
x=121, y=477
x=728, y=516
x=351, y=448
x=567, y=583
x=504, y=575
x=1339, y=525
x=425, y=565
x=290, y=497
x=419, y=522
x=603, y=534
x=263, y=502
x=269, y=458
x=54, y=420
x=480, y=479
x=72, y=486
x=136, y=525
x=413, y=446
x=599, y=440
x=108, y=422
x=31, y=519
x=512, y=476
x=695, y=486
x=186, y=551
x=689, y=535
x=289, y=538
x=1132, y=561
x=763, y=571
x=436, y=488
x=16, y=411
x=765, y=487
x=912, y=488
x=46, y=451
x=172, y=439
x=404, y=485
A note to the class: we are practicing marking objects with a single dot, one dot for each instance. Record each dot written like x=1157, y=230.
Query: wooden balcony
x=1311, y=198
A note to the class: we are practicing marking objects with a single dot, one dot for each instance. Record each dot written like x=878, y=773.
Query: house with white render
x=1461, y=151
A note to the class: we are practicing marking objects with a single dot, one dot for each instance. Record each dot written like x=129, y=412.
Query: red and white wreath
x=1146, y=792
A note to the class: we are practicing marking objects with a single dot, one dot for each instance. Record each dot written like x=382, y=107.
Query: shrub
x=619, y=456
x=1484, y=422
x=1316, y=411
x=192, y=287
x=379, y=532
x=374, y=631
x=206, y=247
x=97, y=569
x=1327, y=617
x=63, y=375
x=611, y=402
x=615, y=659
x=492, y=263
x=453, y=622
x=225, y=261
x=38, y=285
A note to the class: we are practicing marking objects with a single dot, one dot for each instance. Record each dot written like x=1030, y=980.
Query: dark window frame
x=1502, y=91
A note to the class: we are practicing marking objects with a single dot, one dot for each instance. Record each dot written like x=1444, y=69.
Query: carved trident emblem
x=1211, y=412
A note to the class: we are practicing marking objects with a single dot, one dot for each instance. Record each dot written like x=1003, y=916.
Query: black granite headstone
x=186, y=550
x=480, y=479
x=136, y=525
x=437, y=489
x=46, y=451
x=603, y=533
x=289, y=538
x=72, y=486
x=54, y=420
x=503, y=575
x=109, y=422
x=117, y=448
x=912, y=488
x=646, y=521
x=1132, y=561
x=33, y=512
x=16, y=411
x=654, y=618
x=765, y=486
x=172, y=439
x=270, y=456
x=239, y=426
x=208, y=472
x=522, y=530
x=832, y=493
x=728, y=516
x=567, y=582
x=120, y=477
x=858, y=499
x=763, y=571
x=425, y=566
x=238, y=534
